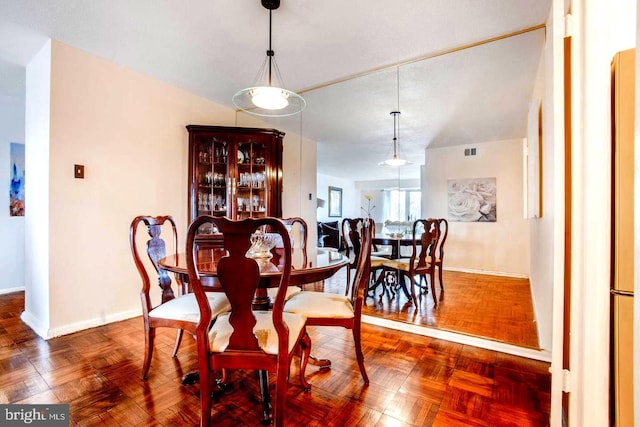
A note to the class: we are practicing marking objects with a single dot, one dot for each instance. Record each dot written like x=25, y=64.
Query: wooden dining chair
x=443, y=231
x=177, y=308
x=329, y=309
x=245, y=338
x=425, y=238
x=352, y=241
x=298, y=232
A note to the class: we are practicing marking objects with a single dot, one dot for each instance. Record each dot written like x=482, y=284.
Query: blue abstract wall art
x=16, y=188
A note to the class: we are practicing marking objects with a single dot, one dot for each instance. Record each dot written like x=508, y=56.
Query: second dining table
x=395, y=241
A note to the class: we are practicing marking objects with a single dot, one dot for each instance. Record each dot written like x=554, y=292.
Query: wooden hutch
x=234, y=172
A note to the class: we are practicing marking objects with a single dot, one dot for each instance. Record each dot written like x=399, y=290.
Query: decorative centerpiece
x=260, y=250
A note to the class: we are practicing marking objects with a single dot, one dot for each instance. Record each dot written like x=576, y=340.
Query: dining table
x=389, y=278
x=310, y=266
x=395, y=240
x=316, y=265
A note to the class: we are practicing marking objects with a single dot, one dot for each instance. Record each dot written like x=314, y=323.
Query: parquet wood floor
x=493, y=307
x=415, y=380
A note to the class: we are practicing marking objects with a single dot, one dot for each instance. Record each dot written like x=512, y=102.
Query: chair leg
x=376, y=282
x=149, y=338
x=177, y=344
x=359, y=356
x=413, y=292
x=305, y=352
x=205, y=394
x=440, y=276
x=281, y=395
x=432, y=275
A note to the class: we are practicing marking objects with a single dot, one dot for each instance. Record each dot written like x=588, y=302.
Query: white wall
x=501, y=247
x=37, y=220
x=350, y=197
x=542, y=228
x=129, y=132
x=11, y=227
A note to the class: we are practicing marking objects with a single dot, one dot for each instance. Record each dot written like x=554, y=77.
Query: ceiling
x=341, y=56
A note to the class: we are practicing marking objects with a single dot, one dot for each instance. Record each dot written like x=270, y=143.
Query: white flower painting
x=472, y=200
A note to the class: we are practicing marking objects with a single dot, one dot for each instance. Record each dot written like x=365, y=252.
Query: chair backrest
x=363, y=266
x=425, y=238
x=240, y=276
x=351, y=238
x=443, y=231
x=156, y=249
x=298, y=230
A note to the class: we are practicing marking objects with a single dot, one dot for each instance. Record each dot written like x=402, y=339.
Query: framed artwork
x=335, y=201
x=472, y=200
x=16, y=185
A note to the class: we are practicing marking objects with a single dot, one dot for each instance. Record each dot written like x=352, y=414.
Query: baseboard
x=530, y=353
x=47, y=333
x=487, y=272
x=11, y=290
x=34, y=324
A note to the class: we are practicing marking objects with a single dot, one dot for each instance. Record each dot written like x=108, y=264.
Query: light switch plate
x=78, y=171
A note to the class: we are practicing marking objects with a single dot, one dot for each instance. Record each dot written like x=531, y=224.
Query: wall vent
x=469, y=151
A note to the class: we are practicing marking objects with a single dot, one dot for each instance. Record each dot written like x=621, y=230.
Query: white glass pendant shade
x=395, y=161
x=269, y=98
x=269, y=101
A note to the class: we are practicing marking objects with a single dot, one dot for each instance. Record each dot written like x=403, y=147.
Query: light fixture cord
x=395, y=139
x=270, y=52
x=395, y=116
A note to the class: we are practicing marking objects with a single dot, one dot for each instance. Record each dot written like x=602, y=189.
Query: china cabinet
x=234, y=172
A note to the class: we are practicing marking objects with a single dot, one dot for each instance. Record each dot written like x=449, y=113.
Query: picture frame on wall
x=335, y=202
x=16, y=184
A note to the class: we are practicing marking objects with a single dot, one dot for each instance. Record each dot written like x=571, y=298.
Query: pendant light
x=268, y=97
x=396, y=160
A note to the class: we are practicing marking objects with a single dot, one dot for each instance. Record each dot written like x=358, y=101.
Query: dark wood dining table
x=315, y=265
x=395, y=241
x=318, y=264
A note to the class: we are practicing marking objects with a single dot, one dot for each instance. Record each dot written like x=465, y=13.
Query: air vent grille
x=469, y=151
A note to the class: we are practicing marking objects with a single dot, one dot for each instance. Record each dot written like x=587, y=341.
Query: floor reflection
x=493, y=307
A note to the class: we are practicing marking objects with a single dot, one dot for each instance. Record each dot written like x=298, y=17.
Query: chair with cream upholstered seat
x=352, y=241
x=425, y=238
x=245, y=338
x=177, y=309
x=329, y=309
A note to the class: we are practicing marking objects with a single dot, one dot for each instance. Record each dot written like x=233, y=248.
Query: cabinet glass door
x=212, y=178
x=251, y=181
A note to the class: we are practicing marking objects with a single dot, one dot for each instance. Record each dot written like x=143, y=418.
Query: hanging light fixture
x=268, y=97
x=396, y=160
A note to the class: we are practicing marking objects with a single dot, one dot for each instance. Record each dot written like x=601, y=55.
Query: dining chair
x=424, y=239
x=352, y=241
x=443, y=231
x=177, y=309
x=245, y=338
x=297, y=228
x=329, y=309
